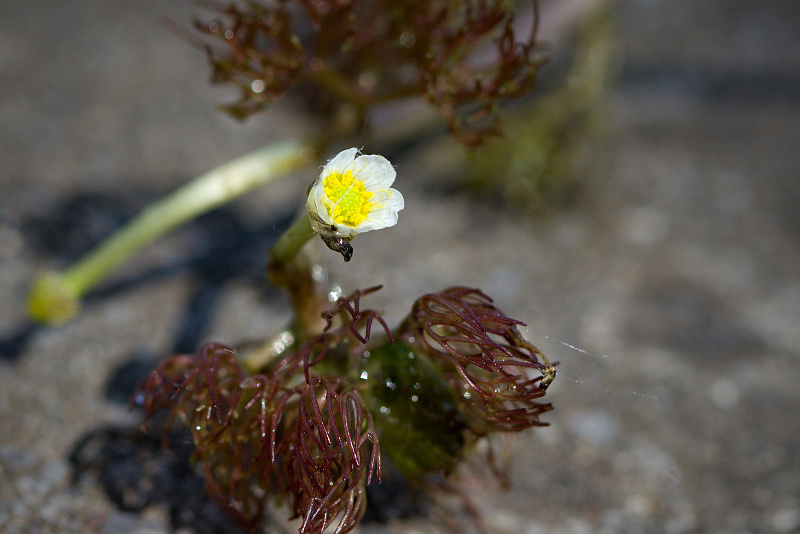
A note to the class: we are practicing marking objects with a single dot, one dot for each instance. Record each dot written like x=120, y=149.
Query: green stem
x=292, y=240
x=293, y=268
x=55, y=297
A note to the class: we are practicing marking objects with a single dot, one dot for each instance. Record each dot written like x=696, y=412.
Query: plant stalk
x=55, y=297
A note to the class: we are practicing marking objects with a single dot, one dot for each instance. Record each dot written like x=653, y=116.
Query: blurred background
x=641, y=215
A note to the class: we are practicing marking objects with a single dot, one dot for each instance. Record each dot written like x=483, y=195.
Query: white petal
x=341, y=162
x=316, y=201
x=391, y=198
x=374, y=171
x=377, y=220
x=387, y=203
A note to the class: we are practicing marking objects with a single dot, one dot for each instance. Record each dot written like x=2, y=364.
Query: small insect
x=548, y=375
x=332, y=237
x=339, y=244
x=549, y=371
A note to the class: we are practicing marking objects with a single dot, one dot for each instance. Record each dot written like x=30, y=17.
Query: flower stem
x=55, y=297
x=292, y=240
x=297, y=270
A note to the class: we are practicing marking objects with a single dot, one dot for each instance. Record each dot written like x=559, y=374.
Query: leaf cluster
x=482, y=354
x=306, y=431
x=285, y=434
x=364, y=52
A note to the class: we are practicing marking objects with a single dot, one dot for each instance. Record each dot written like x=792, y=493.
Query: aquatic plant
x=306, y=430
x=305, y=418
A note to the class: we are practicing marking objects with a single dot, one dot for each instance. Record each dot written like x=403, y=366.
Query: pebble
x=724, y=394
x=124, y=523
x=785, y=520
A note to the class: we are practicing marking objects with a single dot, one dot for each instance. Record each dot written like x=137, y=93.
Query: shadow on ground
x=135, y=469
x=224, y=249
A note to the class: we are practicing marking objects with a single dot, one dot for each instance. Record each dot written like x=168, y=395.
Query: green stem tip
x=53, y=299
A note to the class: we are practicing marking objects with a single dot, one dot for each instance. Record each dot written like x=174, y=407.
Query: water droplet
x=414, y=398
x=407, y=40
x=367, y=81
x=389, y=384
x=316, y=64
x=386, y=411
x=364, y=375
x=257, y=86
x=336, y=292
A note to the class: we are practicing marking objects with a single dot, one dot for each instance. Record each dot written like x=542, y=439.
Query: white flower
x=353, y=195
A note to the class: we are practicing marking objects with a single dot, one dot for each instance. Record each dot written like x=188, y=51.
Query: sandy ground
x=669, y=293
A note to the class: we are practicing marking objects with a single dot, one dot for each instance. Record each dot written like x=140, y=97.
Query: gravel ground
x=669, y=292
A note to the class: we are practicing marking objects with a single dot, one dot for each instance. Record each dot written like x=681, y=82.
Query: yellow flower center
x=349, y=200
